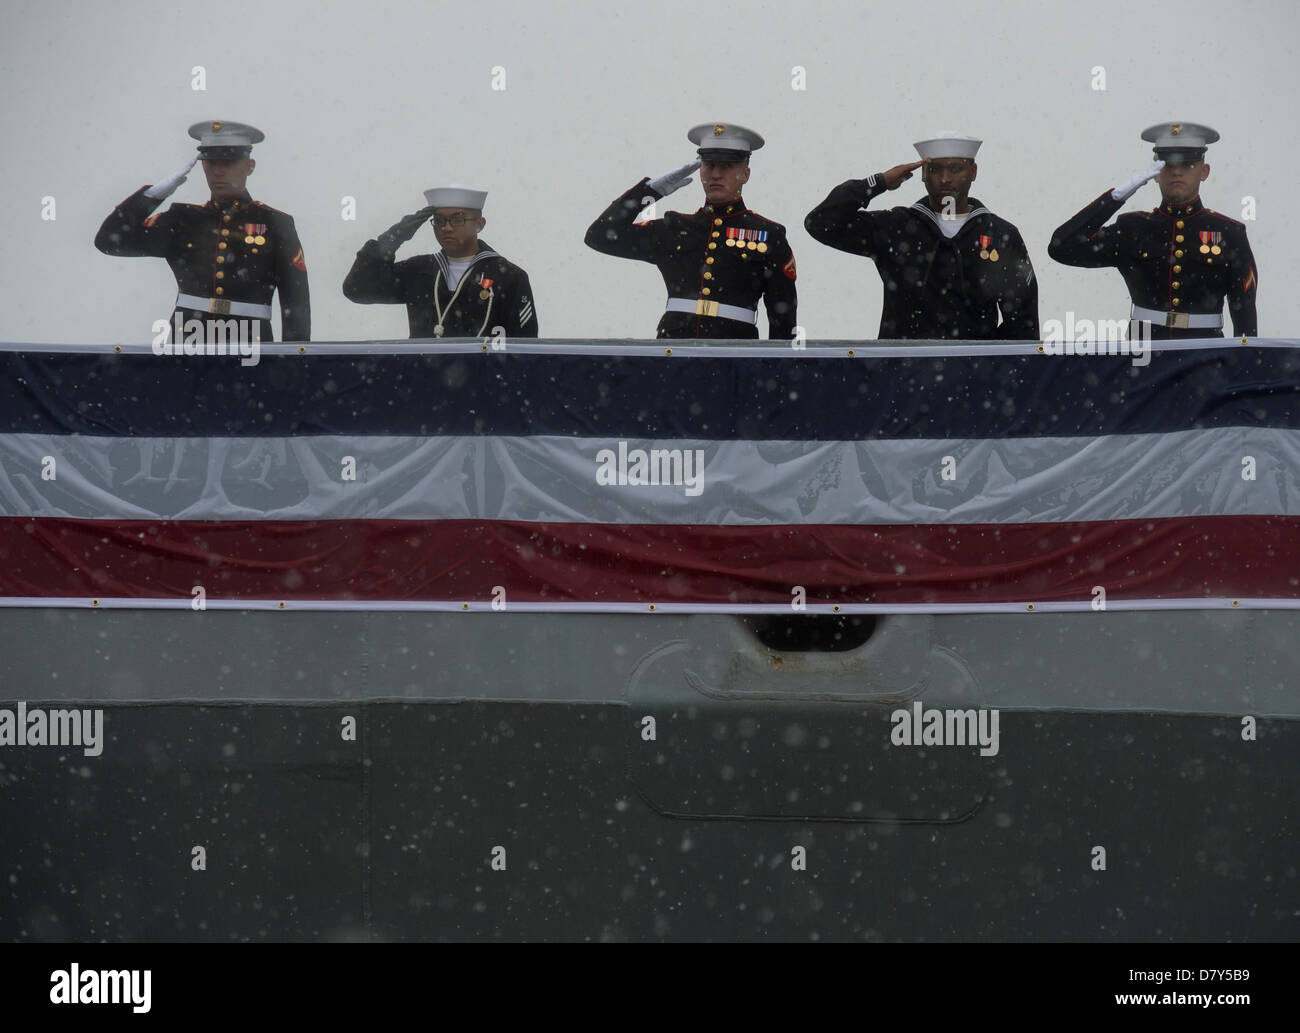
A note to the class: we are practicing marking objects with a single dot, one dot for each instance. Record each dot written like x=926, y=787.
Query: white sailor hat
x=948, y=144
x=723, y=142
x=1179, y=143
x=455, y=196
x=225, y=141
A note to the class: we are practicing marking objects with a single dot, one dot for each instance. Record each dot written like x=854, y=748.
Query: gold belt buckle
x=704, y=307
x=1177, y=320
x=219, y=306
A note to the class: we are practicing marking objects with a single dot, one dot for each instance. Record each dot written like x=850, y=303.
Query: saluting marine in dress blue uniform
x=229, y=256
x=1180, y=260
x=720, y=260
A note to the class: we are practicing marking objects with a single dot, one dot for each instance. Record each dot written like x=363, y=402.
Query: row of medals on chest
x=251, y=236
x=1205, y=249
x=1209, y=242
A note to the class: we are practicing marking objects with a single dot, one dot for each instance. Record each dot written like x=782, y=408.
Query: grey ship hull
x=527, y=732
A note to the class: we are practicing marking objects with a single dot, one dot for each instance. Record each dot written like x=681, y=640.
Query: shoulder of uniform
x=997, y=220
x=186, y=205
x=269, y=209
x=496, y=260
x=766, y=221
x=1223, y=218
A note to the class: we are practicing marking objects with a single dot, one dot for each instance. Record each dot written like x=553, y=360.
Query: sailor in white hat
x=718, y=262
x=951, y=269
x=465, y=289
x=1180, y=260
x=948, y=144
x=229, y=256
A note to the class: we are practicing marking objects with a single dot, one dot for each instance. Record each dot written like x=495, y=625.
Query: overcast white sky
x=379, y=102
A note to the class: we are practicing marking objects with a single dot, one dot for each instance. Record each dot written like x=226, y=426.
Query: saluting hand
x=894, y=177
x=167, y=186
x=1126, y=190
x=671, y=182
x=403, y=230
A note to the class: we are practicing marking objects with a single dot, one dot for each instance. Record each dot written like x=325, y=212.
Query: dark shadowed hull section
x=502, y=782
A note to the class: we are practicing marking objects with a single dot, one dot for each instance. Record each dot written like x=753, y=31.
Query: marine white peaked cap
x=1179, y=143
x=455, y=196
x=723, y=141
x=948, y=144
x=1183, y=136
x=224, y=140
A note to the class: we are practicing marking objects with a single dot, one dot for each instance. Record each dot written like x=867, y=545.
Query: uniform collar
x=977, y=208
x=734, y=208
x=243, y=201
x=484, y=253
x=1180, y=211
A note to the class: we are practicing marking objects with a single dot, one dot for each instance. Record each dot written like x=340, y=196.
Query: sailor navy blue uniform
x=935, y=286
x=492, y=292
x=239, y=252
x=1178, y=260
x=719, y=255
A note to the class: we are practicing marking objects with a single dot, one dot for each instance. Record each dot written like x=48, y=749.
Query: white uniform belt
x=1178, y=320
x=705, y=307
x=222, y=307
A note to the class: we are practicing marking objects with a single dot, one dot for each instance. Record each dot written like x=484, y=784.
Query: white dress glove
x=167, y=186
x=1127, y=190
x=670, y=182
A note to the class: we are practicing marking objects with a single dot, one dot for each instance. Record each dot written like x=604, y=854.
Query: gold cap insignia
x=216, y=127
x=718, y=130
x=1175, y=129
